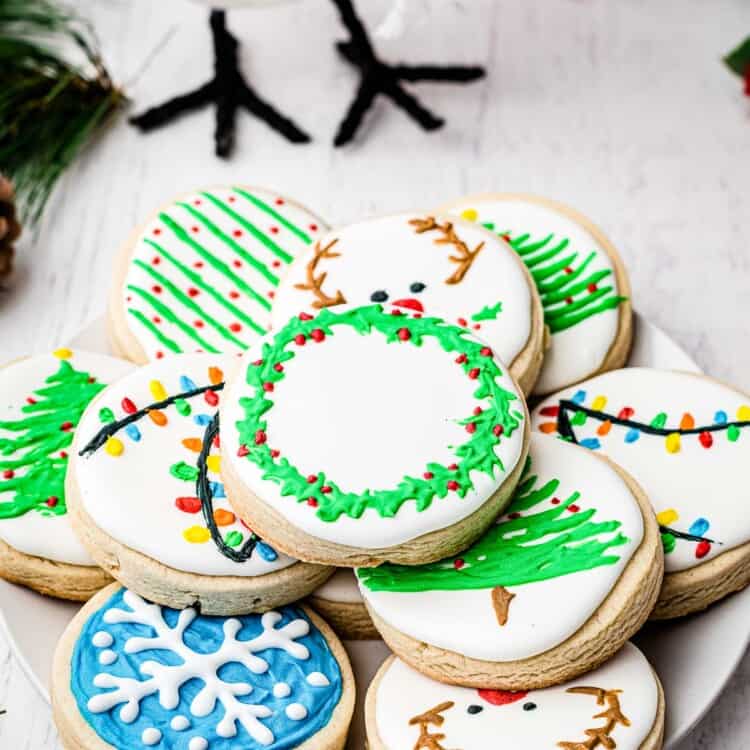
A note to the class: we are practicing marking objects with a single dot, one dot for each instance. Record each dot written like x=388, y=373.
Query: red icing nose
x=502, y=697
x=411, y=304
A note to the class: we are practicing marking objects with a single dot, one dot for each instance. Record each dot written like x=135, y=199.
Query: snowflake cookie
x=146, y=491
x=129, y=673
x=619, y=705
x=578, y=539
x=683, y=437
x=363, y=434
x=42, y=399
x=202, y=273
x=424, y=264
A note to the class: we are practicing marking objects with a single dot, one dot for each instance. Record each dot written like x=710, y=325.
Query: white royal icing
x=578, y=351
x=34, y=533
x=429, y=616
x=694, y=482
x=340, y=587
x=151, y=736
x=317, y=679
x=183, y=276
x=133, y=496
x=102, y=639
x=374, y=412
x=282, y=690
x=388, y=255
x=296, y=711
x=198, y=743
x=537, y=720
x=180, y=723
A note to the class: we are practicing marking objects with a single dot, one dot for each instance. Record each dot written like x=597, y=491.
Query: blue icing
x=591, y=443
x=217, y=489
x=267, y=552
x=632, y=435
x=133, y=432
x=186, y=384
x=699, y=527
x=205, y=635
x=579, y=397
x=202, y=419
x=720, y=417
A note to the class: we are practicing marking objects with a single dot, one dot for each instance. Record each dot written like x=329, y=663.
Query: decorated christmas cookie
x=131, y=674
x=202, y=273
x=619, y=705
x=340, y=602
x=683, y=437
x=553, y=589
x=363, y=435
x=427, y=265
x=42, y=399
x=581, y=280
x=147, y=498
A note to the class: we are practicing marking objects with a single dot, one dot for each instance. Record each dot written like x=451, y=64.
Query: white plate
x=694, y=656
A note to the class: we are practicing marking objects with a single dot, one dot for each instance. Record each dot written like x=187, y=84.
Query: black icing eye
x=474, y=709
x=417, y=287
x=379, y=296
x=529, y=706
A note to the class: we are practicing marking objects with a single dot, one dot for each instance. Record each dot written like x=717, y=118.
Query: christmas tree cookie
x=340, y=602
x=619, y=705
x=683, y=437
x=581, y=280
x=131, y=674
x=147, y=499
x=564, y=577
x=424, y=265
x=42, y=399
x=362, y=435
x=202, y=273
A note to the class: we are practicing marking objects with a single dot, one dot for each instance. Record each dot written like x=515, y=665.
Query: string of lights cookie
x=491, y=422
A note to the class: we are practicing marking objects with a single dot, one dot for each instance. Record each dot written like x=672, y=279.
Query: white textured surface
x=619, y=107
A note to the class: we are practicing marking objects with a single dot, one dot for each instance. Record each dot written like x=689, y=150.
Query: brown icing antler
x=464, y=257
x=315, y=283
x=427, y=740
x=599, y=736
x=501, y=599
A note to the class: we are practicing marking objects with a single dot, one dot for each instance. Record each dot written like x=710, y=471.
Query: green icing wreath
x=486, y=426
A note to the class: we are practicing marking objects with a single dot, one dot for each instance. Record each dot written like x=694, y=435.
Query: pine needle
x=50, y=106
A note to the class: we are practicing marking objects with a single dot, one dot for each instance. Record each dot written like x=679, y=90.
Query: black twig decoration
x=228, y=91
x=381, y=78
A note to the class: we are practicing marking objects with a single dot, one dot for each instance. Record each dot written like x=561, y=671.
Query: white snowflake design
x=166, y=680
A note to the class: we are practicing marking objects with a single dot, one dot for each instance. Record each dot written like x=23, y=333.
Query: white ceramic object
x=694, y=656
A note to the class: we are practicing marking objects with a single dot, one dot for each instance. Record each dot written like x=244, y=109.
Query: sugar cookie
x=339, y=601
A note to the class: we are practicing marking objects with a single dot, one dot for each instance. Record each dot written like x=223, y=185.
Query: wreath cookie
x=580, y=277
x=131, y=674
x=202, y=273
x=619, y=705
x=340, y=602
x=683, y=437
x=42, y=399
x=147, y=499
x=429, y=265
x=364, y=435
x=565, y=576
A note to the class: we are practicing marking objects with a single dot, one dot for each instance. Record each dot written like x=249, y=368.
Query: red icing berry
x=702, y=549
x=476, y=327
x=260, y=437
x=458, y=563
x=300, y=339
x=193, y=292
x=242, y=451
x=574, y=508
x=52, y=501
x=198, y=264
x=452, y=485
x=555, y=501
x=474, y=373
x=275, y=453
x=706, y=439
x=326, y=490
x=30, y=400
x=462, y=322
x=63, y=454
x=428, y=475
x=234, y=295
x=396, y=312
x=235, y=327
x=268, y=387
x=156, y=319
x=237, y=263
x=485, y=351
x=212, y=398
x=8, y=474
x=237, y=233
x=501, y=697
x=317, y=334
x=471, y=428
x=568, y=300
x=498, y=430
x=276, y=263
x=155, y=260
x=592, y=287
x=312, y=502
x=258, y=363
x=188, y=504
x=453, y=467
x=404, y=334
x=460, y=359
x=194, y=229
x=274, y=230
x=278, y=367
x=199, y=324
x=312, y=478
x=156, y=289
x=477, y=411
x=305, y=316
x=66, y=426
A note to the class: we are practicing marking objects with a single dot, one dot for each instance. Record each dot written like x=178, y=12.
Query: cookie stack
x=339, y=418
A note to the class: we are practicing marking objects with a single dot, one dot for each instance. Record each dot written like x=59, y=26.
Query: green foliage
x=738, y=60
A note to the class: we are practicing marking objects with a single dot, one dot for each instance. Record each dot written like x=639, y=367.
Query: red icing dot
x=317, y=334
x=52, y=501
x=326, y=490
x=198, y=264
x=706, y=439
x=63, y=454
x=278, y=367
x=474, y=373
x=188, y=504
x=257, y=363
x=231, y=199
x=237, y=233
x=237, y=263
x=274, y=230
x=568, y=270
x=626, y=413
x=462, y=321
x=193, y=292
x=305, y=316
x=260, y=437
x=498, y=430
x=156, y=289
x=485, y=351
x=452, y=485
x=30, y=400
x=460, y=359
x=428, y=475
x=159, y=354
x=155, y=260
x=396, y=312
x=235, y=327
x=211, y=397
x=234, y=295
x=157, y=231
x=501, y=697
x=217, y=441
x=279, y=201
x=569, y=300
x=8, y=474
x=458, y=563
x=312, y=478
x=702, y=549
x=555, y=501
x=275, y=453
x=453, y=467
x=300, y=339
x=471, y=428
x=313, y=227
x=312, y=502
x=242, y=451
x=514, y=516
x=66, y=426
x=272, y=294
x=574, y=508
x=477, y=411
x=476, y=326
x=199, y=324
x=276, y=263
x=195, y=229
x=404, y=334
x=592, y=287
x=156, y=319
x=268, y=387
x=128, y=406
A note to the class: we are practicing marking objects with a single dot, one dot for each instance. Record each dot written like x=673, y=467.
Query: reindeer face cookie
x=42, y=399
x=424, y=265
x=363, y=435
x=618, y=705
x=202, y=273
x=682, y=437
x=580, y=277
x=128, y=673
x=578, y=540
x=148, y=500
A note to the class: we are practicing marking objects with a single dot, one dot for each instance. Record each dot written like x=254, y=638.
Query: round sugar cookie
x=620, y=704
x=147, y=500
x=201, y=274
x=366, y=435
x=428, y=265
x=340, y=602
x=683, y=437
x=580, y=277
x=42, y=399
x=130, y=674
x=567, y=574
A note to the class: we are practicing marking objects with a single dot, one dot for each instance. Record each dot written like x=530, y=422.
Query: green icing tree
x=33, y=461
x=570, y=292
x=524, y=548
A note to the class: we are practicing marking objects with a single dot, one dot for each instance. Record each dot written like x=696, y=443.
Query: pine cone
x=10, y=227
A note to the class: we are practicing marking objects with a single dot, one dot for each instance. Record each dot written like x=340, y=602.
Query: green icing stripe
x=212, y=260
x=163, y=339
x=198, y=281
x=279, y=252
x=260, y=267
x=263, y=206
